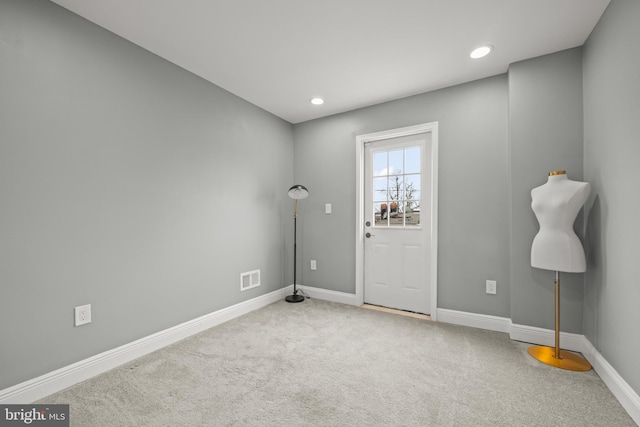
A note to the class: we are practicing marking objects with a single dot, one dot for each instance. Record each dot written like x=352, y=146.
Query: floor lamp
x=297, y=192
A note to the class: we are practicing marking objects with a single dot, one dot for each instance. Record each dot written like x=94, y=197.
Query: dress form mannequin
x=556, y=205
x=556, y=247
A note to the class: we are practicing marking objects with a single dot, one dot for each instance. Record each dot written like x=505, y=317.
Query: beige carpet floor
x=325, y=364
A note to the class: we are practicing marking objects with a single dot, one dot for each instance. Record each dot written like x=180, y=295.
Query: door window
x=396, y=187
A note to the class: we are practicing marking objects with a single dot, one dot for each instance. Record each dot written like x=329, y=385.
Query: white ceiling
x=277, y=54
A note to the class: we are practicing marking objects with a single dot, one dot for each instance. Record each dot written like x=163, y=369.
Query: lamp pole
x=296, y=192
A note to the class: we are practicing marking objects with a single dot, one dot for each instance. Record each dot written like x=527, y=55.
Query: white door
x=397, y=222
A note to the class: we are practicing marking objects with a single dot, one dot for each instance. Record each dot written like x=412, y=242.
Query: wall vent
x=250, y=279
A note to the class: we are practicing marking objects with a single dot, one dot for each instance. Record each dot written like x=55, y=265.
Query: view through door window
x=396, y=187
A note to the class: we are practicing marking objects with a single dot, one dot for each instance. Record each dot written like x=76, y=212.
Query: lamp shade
x=298, y=192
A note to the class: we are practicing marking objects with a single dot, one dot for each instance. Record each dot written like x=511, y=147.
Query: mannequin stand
x=554, y=356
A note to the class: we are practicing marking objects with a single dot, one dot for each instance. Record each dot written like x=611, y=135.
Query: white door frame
x=394, y=133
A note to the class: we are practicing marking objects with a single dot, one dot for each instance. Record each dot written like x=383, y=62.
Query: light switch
x=327, y=208
x=491, y=287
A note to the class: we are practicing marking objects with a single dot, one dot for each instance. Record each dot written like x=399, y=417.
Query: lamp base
x=294, y=298
x=567, y=360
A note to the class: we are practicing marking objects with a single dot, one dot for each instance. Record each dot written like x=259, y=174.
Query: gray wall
x=545, y=127
x=612, y=152
x=126, y=183
x=473, y=189
x=499, y=138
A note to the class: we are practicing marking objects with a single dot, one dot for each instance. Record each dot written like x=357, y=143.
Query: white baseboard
x=325, y=294
x=627, y=397
x=44, y=385
x=540, y=336
x=482, y=321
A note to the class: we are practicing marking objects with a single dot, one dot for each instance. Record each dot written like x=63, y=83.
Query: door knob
x=368, y=235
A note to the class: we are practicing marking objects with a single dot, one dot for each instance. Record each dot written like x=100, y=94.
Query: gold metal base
x=567, y=360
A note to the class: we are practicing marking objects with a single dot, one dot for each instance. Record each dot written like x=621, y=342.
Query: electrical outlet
x=313, y=264
x=491, y=287
x=82, y=315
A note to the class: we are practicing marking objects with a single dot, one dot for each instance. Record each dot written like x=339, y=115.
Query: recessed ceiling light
x=481, y=51
x=317, y=101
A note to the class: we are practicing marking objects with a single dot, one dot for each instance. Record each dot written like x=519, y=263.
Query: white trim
x=394, y=133
x=359, y=221
x=326, y=294
x=434, y=221
x=540, y=336
x=44, y=385
x=482, y=321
